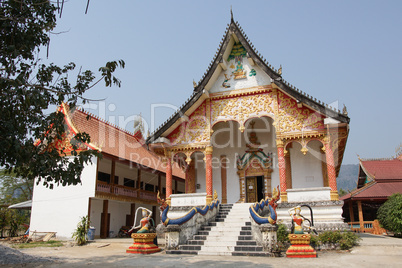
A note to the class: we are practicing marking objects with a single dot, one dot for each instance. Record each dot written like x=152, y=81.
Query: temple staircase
x=229, y=234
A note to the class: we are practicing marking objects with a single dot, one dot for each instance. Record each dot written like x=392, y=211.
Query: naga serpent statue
x=164, y=207
x=272, y=204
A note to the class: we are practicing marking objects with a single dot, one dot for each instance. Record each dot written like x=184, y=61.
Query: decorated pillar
x=224, y=178
x=242, y=179
x=187, y=182
x=208, y=172
x=168, y=178
x=331, y=173
x=282, y=169
x=190, y=178
x=266, y=191
x=288, y=168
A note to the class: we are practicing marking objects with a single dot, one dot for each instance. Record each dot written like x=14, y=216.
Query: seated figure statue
x=145, y=222
x=297, y=220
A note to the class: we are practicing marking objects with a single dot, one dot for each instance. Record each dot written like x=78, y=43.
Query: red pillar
x=208, y=173
x=168, y=178
x=282, y=169
x=187, y=179
x=329, y=155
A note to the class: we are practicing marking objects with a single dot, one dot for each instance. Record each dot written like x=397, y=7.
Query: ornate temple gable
x=238, y=66
x=195, y=130
x=292, y=118
x=65, y=144
x=241, y=107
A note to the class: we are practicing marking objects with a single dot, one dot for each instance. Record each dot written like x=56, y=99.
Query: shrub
x=282, y=234
x=314, y=242
x=390, y=214
x=331, y=237
x=80, y=234
x=348, y=240
x=282, y=239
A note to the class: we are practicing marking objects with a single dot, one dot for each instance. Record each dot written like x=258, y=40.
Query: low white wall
x=197, y=199
x=309, y=194
x=61, y=208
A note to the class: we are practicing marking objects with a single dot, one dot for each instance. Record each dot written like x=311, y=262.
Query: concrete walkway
x=374, y=251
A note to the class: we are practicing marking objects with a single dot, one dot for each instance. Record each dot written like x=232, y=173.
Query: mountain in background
x=347, y=179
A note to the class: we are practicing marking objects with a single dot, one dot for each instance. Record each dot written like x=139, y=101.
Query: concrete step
x=200, y=237
x=200, y=242
x=222, y=243
x=251, y=254
x=190, y=252
x=217, y=248
x=222, y=239
x=248, y=248
x=225, y=224
x=226, y=233
x=224, y=253
x=230, y=223
x=245, y=237
x=245, y=243
x=190, y=247
x=229, y=235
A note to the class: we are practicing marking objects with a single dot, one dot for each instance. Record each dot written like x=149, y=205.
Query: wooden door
x=251, y=189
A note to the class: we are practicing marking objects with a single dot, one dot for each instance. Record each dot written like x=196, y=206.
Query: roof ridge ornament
x=231, y=13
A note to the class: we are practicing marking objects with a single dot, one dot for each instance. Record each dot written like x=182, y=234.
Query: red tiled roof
x=383, y=169
x=115, y=141
x=375, y=190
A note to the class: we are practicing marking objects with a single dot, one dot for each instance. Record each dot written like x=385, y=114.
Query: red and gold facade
x=293, y=123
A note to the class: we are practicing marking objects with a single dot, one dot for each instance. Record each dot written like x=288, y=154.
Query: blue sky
x=336, y=51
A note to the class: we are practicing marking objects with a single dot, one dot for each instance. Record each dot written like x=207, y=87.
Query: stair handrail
x=271, y=203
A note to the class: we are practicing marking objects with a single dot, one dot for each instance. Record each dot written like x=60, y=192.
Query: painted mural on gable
x=239, y=74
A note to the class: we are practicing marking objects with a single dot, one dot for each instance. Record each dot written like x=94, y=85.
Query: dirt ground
x=373, y=252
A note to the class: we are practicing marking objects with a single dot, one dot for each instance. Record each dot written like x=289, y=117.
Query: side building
x=378, y=180
x=127, y=176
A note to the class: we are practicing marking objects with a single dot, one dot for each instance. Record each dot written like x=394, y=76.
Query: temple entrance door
x=260, y=188
x=254, y=189
x=251, y=189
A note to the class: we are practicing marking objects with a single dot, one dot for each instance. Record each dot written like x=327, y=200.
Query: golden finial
x=194, y=84
x=280, y=70
x=345, y=110
x=215, y=195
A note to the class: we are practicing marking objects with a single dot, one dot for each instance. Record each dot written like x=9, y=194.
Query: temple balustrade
x=124, y=193
x=372, y=227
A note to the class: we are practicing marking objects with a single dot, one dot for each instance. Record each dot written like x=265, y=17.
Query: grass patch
x=51, y=243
